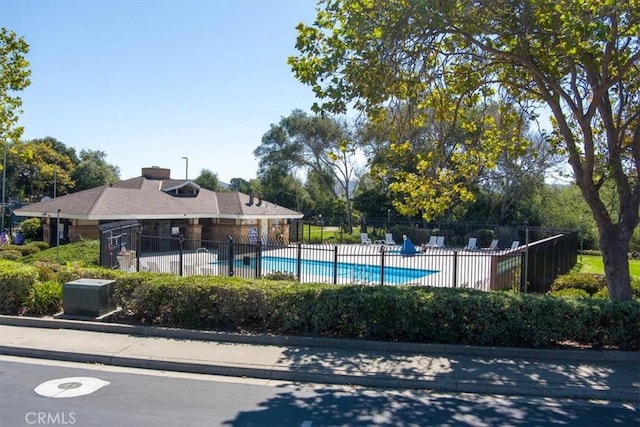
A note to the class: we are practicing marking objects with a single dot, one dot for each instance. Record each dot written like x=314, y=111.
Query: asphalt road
x=135, y=397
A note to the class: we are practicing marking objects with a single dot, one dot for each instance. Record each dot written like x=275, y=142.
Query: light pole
x=388, y=219
x=321, y=227
x=186, y=168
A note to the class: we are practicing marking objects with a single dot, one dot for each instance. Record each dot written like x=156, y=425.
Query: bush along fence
x=529, y=267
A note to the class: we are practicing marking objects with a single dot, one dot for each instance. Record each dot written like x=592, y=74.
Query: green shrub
x=28, y=249
x=587, y=282
x=16, y=279
x=592, y=252
x=571, y=293
x=51, y=271
x=413, y=314
x=280, y=275
x=31, y=229
x=82, y=253
x=45, y=298
x=40, y=244
x=10, y=254
x=635, y=290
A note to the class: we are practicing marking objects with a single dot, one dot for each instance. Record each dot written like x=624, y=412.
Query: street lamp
x=186, y=170
x=321, y=227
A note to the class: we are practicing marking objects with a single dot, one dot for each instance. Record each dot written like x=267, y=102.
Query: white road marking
x=70, y=387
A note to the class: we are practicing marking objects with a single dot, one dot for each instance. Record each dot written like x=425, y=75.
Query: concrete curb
x=452, y=385
x=343, y=343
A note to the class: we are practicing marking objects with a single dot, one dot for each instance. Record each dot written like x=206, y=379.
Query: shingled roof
x=143, y=198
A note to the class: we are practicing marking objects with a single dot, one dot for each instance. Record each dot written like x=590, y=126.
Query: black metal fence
x=119, y=244
x=370, y=264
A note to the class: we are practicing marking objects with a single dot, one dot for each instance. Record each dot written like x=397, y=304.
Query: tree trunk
x=614, y=242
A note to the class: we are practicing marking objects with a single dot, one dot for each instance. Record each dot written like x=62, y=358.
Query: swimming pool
x=346, y=272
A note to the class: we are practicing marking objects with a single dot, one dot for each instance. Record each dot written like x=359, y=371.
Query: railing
x=531, y=267
x=370, y=264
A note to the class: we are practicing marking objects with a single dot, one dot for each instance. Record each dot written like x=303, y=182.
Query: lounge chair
x=364, y=239
x=433, y=241
x=472, y=244
x=388, y=240
x=440, y=242
x=493, y=246
x=515, y=244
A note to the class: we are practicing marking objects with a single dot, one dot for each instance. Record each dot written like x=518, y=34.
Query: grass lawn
x=594, y=264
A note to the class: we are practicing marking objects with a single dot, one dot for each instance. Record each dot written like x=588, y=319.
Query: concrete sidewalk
x=585, y=374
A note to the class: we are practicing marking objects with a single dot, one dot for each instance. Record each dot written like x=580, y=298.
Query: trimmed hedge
x=391, y=313
x=16, y=280
x=590, y=283
x=399, y=313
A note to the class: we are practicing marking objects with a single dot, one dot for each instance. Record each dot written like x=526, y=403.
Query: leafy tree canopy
x=579, y=58
x=14, y=77
x=208, y=180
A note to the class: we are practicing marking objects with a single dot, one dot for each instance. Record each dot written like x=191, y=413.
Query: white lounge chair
x=388, y=240
x=493, y=246
x=440, y=242
x=433, y=241
x=515, y=244
x=472, y=244
x=364, y=239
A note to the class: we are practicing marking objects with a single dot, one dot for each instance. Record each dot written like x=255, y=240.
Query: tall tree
x=241, y=185
x=282, y=188
x=579, y=58
x=14, y=77
x=43, y=167
x=92, y=170
x=311, y=143
x=208, y=180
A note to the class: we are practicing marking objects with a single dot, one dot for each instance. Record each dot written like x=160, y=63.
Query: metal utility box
x=88, y=297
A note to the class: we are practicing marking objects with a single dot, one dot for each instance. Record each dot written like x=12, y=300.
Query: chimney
x=155, y=172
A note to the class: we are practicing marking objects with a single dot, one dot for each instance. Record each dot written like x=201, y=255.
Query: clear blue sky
x=149, y=82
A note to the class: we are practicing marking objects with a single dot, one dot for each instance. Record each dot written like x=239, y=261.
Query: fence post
x=259, y=259
x=231, y=255
x=180, y=253
x=526, y=256
x=382, y=253
x=335, y=265
x=299, y=262
x=455, y=268
x=138, y=248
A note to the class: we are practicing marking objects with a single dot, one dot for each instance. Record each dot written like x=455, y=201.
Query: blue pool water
x=355, y=273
